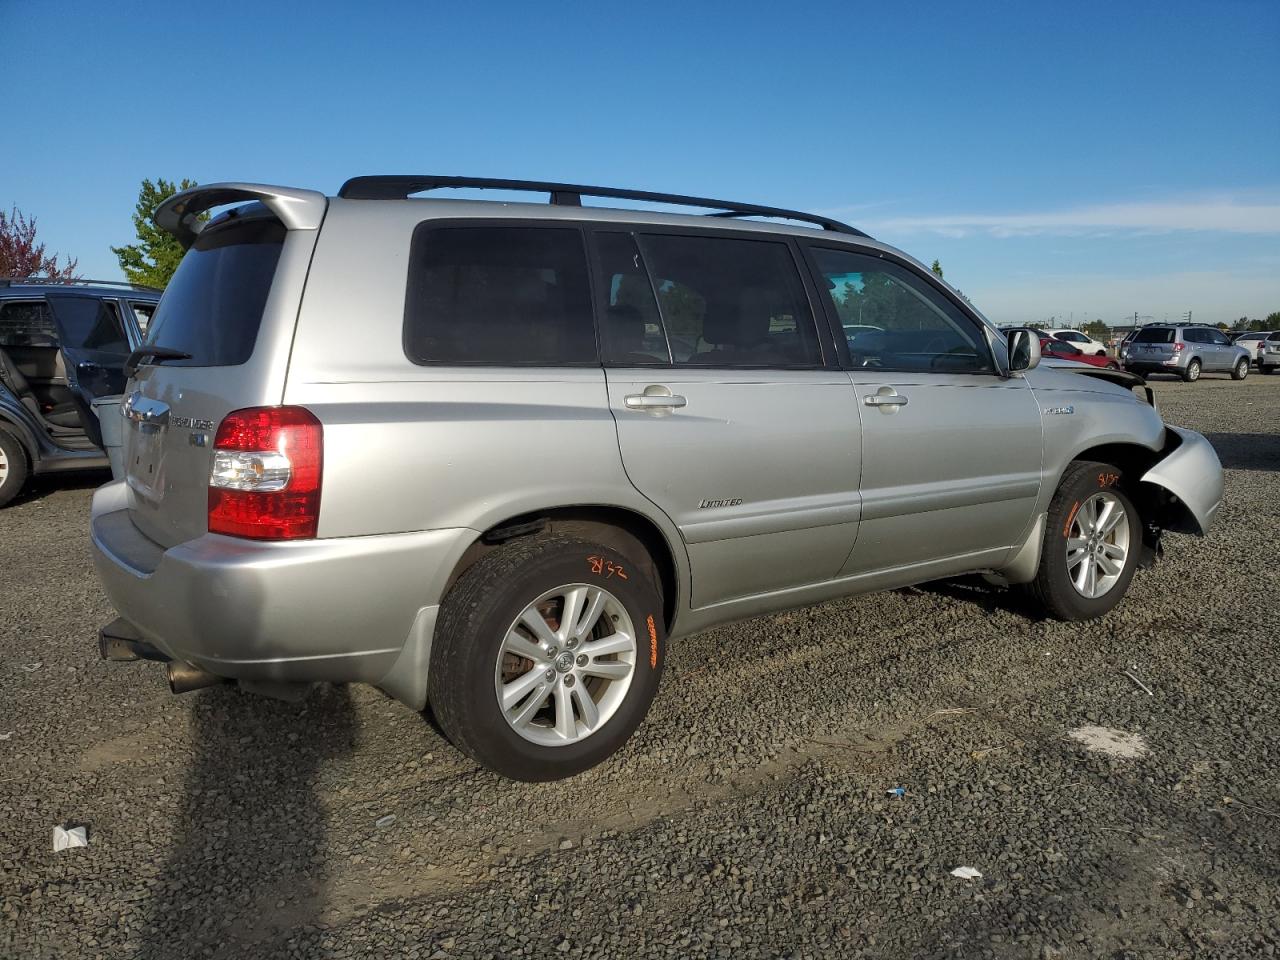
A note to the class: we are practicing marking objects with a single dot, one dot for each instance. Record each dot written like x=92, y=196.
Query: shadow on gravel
x=247, y=862
x=38, y=488
x=975, y=590
x=1247, y=451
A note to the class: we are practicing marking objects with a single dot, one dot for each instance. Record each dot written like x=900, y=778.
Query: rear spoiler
x=297, y=209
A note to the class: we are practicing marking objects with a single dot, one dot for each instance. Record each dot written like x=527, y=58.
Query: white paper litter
x=66, y=839
x=966, y=873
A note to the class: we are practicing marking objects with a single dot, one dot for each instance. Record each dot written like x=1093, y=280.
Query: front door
x=951, y=448
x=729, y=417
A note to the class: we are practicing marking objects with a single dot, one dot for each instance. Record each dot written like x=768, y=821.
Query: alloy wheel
x=565, y=665
x=1098, y=545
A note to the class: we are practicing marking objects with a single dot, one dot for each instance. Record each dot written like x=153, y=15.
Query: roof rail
x=570, y=195
x=50, y=282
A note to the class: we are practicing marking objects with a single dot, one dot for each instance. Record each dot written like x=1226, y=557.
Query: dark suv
x=62, y=345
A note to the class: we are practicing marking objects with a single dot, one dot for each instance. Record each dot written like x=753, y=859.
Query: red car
x=1050, y=347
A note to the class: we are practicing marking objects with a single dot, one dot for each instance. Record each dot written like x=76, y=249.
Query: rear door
x=231, y=306
x=951, y=449
x=95, y=339
x=729, y=418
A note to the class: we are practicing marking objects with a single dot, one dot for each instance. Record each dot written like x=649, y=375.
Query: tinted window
x=1218, y=337
x=499, y=295
x=1063, y=349
x=89, y=323
x=630, y=325
x=731, y=303
x=914, y=327
x=212, y=308
x=27, y=323
x=1148, y=335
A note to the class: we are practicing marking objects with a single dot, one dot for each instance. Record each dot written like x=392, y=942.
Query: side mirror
x=1024, y=350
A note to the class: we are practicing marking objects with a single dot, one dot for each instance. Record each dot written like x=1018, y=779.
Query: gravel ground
x=748, y=817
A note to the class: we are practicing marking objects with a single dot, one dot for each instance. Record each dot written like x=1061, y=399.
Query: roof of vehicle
x=38, y=286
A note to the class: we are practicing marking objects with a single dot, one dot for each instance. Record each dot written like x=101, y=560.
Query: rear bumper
x=1191, y=472
x=343, y=609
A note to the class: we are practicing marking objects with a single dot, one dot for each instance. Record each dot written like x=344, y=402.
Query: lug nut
x=568, y=679
x=550, y=675
x=571, y=643
x=582, y=659
x=552, y=651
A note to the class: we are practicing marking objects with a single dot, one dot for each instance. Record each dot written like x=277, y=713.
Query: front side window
x=1219, y=338
x=903, y=323
x=27, y=323
x=499, y=295
x=1072, y=337
x=727, y=302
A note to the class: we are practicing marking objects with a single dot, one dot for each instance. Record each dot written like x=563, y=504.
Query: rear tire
x=14, y=468
x=1241, y=370
x=1192, y=373
x=500, y=635
x=1083, y=533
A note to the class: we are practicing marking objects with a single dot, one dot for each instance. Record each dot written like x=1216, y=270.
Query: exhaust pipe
x=183, y=677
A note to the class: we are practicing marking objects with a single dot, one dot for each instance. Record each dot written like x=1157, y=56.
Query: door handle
x=654, y=401
x=884, y=400
x=88, y=365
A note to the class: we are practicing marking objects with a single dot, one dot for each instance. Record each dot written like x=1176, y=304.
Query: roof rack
x=49, y=282
x=571, y=194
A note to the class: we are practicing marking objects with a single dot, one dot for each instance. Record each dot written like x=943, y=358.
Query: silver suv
x=494, y=457
x=1185, y=350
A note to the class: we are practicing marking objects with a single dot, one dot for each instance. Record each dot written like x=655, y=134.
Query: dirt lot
x=748, y=818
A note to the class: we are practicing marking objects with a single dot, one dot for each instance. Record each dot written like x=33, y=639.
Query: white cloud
x=1226, y=215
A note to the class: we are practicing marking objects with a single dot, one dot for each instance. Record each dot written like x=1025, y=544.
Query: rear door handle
x=884, y=399
x=655, y=399
x=648, y=401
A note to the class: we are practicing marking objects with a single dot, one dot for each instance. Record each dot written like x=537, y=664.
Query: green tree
x=1272, y=322
x=936, y=268
x=153, y=259
x=1097, y=329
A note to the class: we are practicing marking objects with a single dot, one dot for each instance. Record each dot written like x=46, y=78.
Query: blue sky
x=1073, y=160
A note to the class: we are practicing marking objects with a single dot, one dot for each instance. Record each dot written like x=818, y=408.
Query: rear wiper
x=154, y=355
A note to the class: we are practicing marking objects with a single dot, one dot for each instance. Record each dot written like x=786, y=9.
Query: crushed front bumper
x=1191, y=474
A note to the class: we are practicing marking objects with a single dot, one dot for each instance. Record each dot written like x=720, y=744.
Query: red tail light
x=1177, y=347
x=267, y=468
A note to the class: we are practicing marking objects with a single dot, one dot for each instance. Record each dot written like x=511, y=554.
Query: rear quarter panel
x=411, y=447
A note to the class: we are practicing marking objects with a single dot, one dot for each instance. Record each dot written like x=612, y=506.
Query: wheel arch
x=1158, y=509
x=623, y=529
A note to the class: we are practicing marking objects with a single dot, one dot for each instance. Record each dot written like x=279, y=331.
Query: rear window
x=1154, y=336
x=212, y=308
x=509, y=296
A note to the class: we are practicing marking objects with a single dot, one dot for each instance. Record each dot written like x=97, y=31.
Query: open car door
x=95, y=344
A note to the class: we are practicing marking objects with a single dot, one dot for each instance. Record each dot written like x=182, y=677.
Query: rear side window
x=510, y=296
x=89, y=323
x=731, y=303
x=27, y=323
x=1154, y=336
x=212, y=308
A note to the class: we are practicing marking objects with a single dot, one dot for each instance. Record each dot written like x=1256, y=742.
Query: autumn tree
x=153, y=259
x=21, y=256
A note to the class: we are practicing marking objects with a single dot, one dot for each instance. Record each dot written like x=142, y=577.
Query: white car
x=1255, y=343
x=1079, y=340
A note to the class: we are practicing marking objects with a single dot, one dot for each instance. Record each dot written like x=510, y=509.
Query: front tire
x=1241, y=370
x=1091, y=544
x=13, y=466
x=1192, y=373
x=547, y=655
